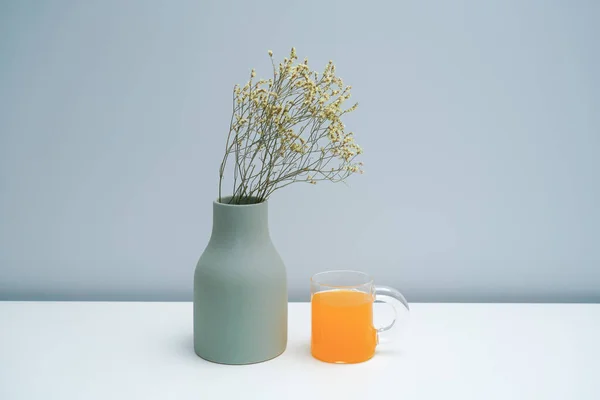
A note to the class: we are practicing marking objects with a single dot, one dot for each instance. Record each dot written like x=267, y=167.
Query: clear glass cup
x=342, y=315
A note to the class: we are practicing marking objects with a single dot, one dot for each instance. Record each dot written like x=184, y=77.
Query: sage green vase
x=240, y=289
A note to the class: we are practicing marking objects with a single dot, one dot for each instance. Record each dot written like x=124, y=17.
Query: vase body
x=240, y=289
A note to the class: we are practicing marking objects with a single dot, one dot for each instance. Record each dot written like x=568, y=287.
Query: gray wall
x=480, y=122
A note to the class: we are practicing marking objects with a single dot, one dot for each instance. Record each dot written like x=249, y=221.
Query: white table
x=108, y=351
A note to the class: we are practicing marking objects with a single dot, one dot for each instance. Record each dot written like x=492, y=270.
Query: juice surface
x=342, y=326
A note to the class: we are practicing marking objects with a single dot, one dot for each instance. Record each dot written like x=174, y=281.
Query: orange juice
x=342, y=326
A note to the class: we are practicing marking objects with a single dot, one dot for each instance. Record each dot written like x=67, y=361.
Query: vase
x=240, y=288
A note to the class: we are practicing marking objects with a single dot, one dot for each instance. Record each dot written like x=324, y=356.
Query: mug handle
x=391, y=296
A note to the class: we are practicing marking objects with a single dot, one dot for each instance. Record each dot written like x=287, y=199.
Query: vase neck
x=240, y=221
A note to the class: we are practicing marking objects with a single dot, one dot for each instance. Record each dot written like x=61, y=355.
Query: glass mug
x=342, y=315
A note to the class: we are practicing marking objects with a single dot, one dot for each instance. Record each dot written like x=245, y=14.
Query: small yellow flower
x=270, y=53
x=295, y=147
x=253, y=73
